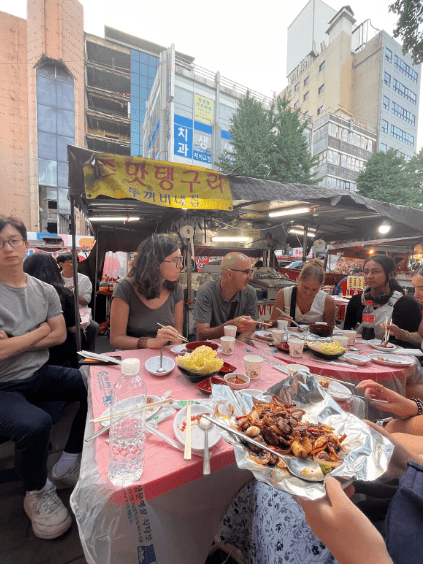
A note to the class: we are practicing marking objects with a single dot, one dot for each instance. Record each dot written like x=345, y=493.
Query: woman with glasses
x=306, y=302
x=151, y=295
x=389, y=301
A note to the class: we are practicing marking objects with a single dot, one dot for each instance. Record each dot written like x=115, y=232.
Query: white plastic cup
x=283, y=324
x=292, y=368
x=341, y=339
x=296, y=347
x=230, y=330
x=351, y=334
x=228, y=344
x=253, y=366
x=278, y=336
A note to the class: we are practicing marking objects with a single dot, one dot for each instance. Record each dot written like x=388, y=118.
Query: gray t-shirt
x=211, y=307
x=142, y=320
x=21, y=311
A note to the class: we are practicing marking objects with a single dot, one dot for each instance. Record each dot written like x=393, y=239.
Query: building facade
x=358, y=81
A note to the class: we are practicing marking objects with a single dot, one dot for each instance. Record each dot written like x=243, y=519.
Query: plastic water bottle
x=368, y=321
x=127, y=432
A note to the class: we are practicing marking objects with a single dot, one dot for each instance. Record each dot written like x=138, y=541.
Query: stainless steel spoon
x=161, y=369
x=205, y=424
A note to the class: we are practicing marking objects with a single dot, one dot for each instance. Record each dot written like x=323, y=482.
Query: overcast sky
x=244, y=40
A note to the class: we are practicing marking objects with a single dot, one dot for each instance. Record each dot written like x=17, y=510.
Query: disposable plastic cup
x=342, y=340
x=296, y=347
x=230, y=330
x=292, y=368
x=253, y=365
x=228, y=344
x=351, y=336
x=283, y=324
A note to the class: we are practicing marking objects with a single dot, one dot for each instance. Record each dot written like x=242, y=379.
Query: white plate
x=392, y=359
x=153, y=363
x=375, y=343
x=357, y=359
x=178, y=349
x=338, y=391
x=263, y=333
x=149, y=412
x=197, y=434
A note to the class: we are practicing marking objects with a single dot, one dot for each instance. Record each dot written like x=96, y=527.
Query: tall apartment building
x=360, y=86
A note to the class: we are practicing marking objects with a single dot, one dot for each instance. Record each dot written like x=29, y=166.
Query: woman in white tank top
x=311, y=303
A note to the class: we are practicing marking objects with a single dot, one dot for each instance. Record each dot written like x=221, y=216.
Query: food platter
x=149, y=412
x=265, y=336
x=377, y=344
x=338, y=391
x=197, y=434
x=392, y=359
x=357, y=359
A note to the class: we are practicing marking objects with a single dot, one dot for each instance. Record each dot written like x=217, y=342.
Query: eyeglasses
x=17, y=242
x=248, y=272
x=175, y=261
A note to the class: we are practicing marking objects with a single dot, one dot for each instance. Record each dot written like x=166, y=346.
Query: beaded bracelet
x=142, y=342
x=406, y=336
x=419, y=403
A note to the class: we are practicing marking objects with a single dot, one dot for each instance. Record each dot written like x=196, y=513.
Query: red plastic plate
x=205, y=385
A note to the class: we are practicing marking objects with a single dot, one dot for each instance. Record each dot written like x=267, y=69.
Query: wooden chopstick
x=180, y=336
x=129, y=411
x=386, y=336
x=187, y=451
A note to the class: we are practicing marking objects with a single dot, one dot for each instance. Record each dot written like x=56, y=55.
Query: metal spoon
x=205, y=424
x=161, y=369
x=302, y=468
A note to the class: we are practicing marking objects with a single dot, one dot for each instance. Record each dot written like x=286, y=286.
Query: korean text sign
x=156, y=182
x=203, y=109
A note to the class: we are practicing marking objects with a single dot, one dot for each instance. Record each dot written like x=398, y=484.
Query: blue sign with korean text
x=203, y=157
x=183, y=141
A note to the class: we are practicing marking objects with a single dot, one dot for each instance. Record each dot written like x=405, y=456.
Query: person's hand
x=398, y=464
x=245, y=323
x=394, y=330
x=343, y=528
x=3, y=335
x=397, y=404
x=164, y=335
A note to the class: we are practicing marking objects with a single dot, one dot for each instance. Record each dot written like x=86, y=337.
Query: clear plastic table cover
x=367, y=451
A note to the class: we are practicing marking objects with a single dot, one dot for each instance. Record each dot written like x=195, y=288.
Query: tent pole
x=304, y=257
x=75, y=275
x=96, y=274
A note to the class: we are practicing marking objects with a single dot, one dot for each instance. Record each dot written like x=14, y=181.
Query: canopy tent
x=335, y=215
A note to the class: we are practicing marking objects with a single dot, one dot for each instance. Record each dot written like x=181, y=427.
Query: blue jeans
x=29, y=426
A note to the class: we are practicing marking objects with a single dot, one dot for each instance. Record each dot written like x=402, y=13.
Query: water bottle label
x=368, y=318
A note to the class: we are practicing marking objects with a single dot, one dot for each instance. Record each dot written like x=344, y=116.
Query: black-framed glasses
x=15, y=242
x=175, y=261
x=248, y=272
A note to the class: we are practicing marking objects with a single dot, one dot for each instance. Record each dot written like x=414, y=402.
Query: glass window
x=135, y=66
x=47, y=172
x=321, y=89
x=135, y=56
x=404, y=91
x=296, y=105
x=144, y=58
x=46, y=118
x=65, y=123
x=135, y=91
x=290, y=93
x=344, y=160
x=47, y=146
x=135, y=138
x=319, y=110
x=143, y=93
x=135, y=103
x=62, y=147
x=135, y=79
x=306, y=81
x=153, y=61
x=143, y=69
x=306, y=95
x=296, y=87
x=406, y=69
x=143, y=81
x=384, y=126
x=345, y=135
x=152, y=72
x=322, y=66
x=63, y=204
x=387, y=79
x=47, y=70
x=388, y=55
x=65, y=96
x=62, y=75
x=386, y=102
x=46, y=91
x=62, y=175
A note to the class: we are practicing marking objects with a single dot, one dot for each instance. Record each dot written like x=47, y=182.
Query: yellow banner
x=162, y=183
x=203, y=109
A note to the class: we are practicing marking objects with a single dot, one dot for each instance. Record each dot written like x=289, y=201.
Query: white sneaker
x=68, y=479
x=49, y=517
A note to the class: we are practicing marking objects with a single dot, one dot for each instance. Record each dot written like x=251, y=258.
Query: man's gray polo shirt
x=211, y=307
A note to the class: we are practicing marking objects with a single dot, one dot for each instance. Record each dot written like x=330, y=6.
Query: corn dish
x=201, y=361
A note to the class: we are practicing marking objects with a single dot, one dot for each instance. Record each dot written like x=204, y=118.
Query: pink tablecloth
x=165, y=468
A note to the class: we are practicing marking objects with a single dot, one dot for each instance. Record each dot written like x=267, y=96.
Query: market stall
x=128, y=198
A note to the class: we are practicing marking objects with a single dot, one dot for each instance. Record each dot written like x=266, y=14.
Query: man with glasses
x=31, y=321
x=230, y=300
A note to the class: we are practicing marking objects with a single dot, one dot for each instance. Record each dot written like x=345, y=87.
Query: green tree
x=415, y=171
x=251, y=142
x=386, y=177
x=410, y=14
x=290, y=159
x=268, y=143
